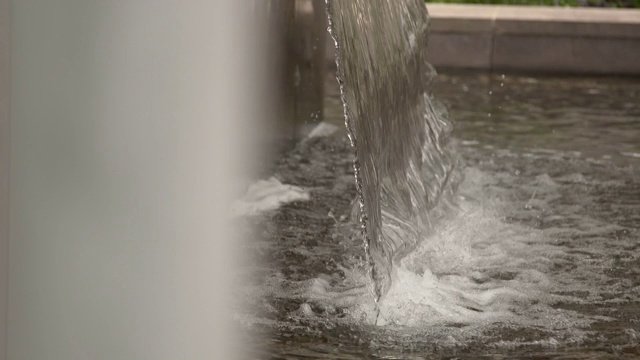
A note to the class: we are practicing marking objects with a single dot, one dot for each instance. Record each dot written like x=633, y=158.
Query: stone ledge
x=536, y=20
x=532, y=38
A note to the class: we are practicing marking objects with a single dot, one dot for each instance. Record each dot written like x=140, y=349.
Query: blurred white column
x=129, y=132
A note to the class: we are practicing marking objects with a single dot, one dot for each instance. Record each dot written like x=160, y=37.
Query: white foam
x=475, y=269
x=266, y=195
x=323, y=129
x=631, y=154
x=485, y=268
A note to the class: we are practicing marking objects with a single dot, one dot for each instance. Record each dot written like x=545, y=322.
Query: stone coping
x=535, y=38
x=535, y=20
x=540, y=39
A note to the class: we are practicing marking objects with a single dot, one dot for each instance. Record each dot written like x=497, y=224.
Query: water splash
x=266, y=195
x=405, y=168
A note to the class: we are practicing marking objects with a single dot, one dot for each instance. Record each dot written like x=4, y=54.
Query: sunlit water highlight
x=474, y=269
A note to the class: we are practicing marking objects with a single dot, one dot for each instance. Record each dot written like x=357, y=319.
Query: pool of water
x=597, y=117
x=541, y=258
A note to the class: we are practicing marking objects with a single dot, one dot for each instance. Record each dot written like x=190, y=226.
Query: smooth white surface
x=128, y=120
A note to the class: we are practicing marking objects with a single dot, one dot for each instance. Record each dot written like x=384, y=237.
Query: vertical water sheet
x=403, y=162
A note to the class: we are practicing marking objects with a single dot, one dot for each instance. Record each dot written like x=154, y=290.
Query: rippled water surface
x=597, y=117
x=540, y=259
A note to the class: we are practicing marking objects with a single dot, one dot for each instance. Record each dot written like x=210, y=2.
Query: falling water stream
x=405, y=168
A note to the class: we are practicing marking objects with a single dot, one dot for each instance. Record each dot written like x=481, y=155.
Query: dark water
x=404, y=169
x=596, y=116
x=541, y=259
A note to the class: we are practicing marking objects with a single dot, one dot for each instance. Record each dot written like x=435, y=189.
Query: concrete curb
x=536, y=39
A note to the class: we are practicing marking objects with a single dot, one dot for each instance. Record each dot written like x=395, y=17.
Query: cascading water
x=405, y=168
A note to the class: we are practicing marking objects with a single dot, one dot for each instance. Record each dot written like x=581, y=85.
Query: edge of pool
x=532, y=39
x=535, y=39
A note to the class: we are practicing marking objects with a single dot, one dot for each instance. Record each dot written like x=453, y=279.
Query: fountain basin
x=556, y=157
x=532, y=38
